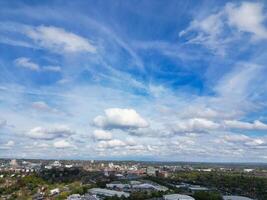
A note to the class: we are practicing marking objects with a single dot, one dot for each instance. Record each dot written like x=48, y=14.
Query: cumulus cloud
x=10, y=143
x=111, y=144
x=27, y=63
x=116, y=143
x=102, y=135
x=59, y=40
x=61, y=144
x=49, y=134
x=256, y=125
x=244, y=140
x=195, y=125
x=121, y=119
x=7, y=145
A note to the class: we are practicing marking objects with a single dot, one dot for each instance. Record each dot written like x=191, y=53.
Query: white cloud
x=245, y=140
x=117, y=143
x=120, y=118
x=236, y=138
x=195, y=125
x=102, y=135
x=61, y=144
x=10, y=143
x=247, y=17
x=27, y=63
x=256, y=125
x=43, y=106
x=237, y=82
x=43, y=145
x=59, y=40
x=49, y=134
x=215, y=31
x=111, y=144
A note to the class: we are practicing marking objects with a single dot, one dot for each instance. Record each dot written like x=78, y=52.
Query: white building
x=54, y=191
x=56, y=164
x=177, y=197
x=82, y=197
x=107, y=193
x=148, y=186
x=197, y=188
x=235, y=198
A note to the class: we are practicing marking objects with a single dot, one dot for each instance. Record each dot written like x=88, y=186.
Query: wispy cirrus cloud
x=54, y=39
x=30, y=65
x=219, y=30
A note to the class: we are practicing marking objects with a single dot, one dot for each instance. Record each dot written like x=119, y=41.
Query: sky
x=134, y=80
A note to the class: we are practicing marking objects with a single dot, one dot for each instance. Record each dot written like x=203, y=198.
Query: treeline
x=69, y=175
x=227, y=183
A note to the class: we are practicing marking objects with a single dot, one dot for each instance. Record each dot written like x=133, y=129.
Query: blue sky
x=146, y=80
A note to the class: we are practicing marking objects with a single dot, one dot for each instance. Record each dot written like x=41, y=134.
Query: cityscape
x=111, y=180
x=133, y=100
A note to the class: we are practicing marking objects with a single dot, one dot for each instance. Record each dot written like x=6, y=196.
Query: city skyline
x=134, y=80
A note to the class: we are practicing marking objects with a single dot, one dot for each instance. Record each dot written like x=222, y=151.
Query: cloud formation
x=59, y=40
x=121, y=119
x=102, y=135
x=248, y=17
x=28, y=64
x=196, y=125
x=49, y=133
x=215, y=30
x=62, y=144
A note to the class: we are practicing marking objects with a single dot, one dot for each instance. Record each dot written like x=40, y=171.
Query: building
x=148, y=187
x=197, y=188
x=177, y=197
x=99, y=192
x=56, y=164
x=13, y=163
x=151, y=171
x=54, y=191
x=82, y=197
x=230, y=197
x=118, y=186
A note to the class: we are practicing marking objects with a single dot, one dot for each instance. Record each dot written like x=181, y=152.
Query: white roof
x=235, y=198
x=149, y=186
x=106, y=192
x=177, y=197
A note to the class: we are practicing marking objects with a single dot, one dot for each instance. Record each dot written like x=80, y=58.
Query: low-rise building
x=232, y=197
x=177, y=197
x=54, y=191
x=107, y=193
x=148, y=186
x=82, y=197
